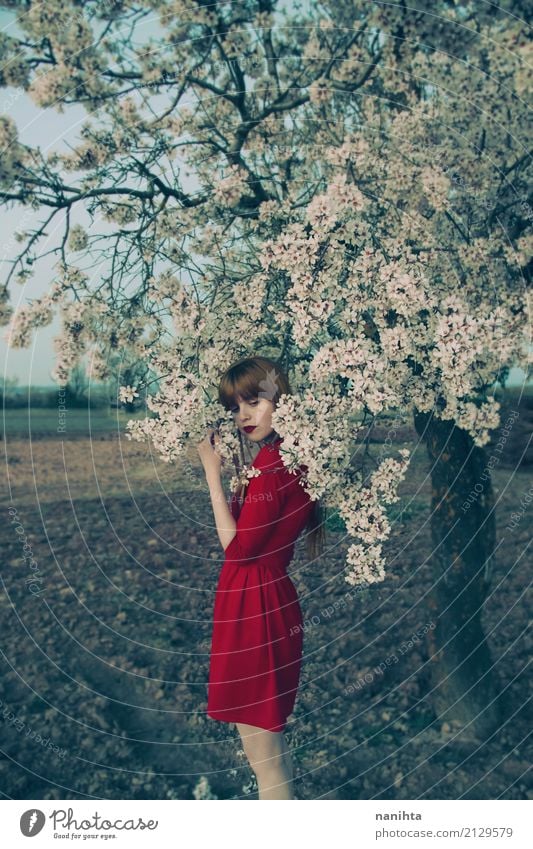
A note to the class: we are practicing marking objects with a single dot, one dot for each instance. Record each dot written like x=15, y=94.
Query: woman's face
x=253, y=417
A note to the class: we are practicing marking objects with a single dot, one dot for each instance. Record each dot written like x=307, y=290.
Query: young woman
x=257, y=634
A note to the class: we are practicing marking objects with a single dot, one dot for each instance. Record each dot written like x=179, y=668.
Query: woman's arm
x=260, y=513
x=226, y=524
x=211, y=461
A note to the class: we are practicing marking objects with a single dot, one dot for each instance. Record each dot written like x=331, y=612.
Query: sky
x=33, y=365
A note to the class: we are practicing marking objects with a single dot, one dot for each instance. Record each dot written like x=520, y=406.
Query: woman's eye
x=236, y=409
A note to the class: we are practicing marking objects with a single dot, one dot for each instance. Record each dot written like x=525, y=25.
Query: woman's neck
x=268, y=440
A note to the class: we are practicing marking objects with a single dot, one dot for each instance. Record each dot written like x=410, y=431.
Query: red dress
x=257, y=638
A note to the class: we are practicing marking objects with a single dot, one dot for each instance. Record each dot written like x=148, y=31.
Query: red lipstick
x=249, y=428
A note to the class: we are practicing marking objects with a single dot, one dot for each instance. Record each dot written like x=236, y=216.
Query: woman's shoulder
x=269, y=459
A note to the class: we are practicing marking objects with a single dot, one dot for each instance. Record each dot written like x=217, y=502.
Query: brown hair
x=253, y=377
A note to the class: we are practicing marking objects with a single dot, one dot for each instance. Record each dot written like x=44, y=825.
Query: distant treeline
x=48, y=397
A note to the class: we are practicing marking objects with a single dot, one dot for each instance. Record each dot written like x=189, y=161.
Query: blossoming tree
x=343, y=189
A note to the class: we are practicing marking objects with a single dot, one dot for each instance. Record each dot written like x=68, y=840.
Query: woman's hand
x=211, y=461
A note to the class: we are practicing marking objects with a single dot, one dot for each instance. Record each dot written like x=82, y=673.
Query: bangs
x=232, y=386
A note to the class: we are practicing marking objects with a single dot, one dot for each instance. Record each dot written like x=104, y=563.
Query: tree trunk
x=464, y=686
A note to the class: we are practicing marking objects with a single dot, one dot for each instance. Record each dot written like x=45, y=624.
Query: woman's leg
x=270, y=759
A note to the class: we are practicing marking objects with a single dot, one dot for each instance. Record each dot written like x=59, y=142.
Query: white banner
x=358, y=824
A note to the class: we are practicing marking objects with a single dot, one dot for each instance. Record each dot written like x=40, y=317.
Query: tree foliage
x=343, y=186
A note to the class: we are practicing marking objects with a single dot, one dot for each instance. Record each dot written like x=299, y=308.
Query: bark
x=465, y=687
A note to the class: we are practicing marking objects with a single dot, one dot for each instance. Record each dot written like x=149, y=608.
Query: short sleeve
x=261, y=511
